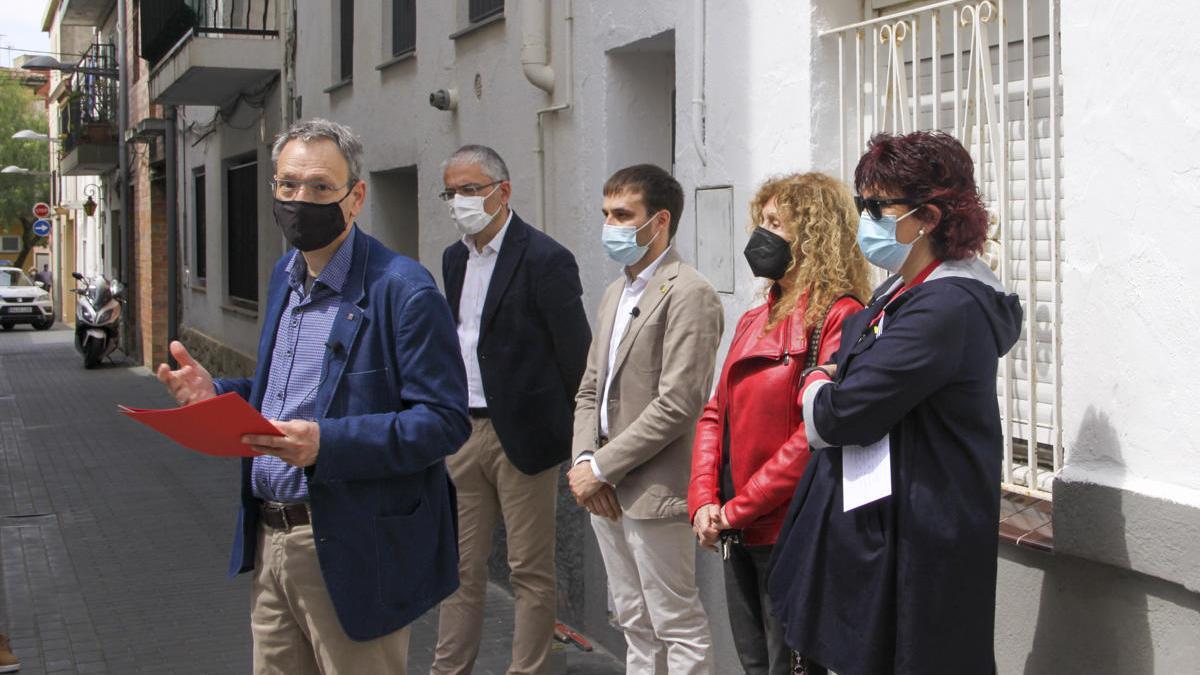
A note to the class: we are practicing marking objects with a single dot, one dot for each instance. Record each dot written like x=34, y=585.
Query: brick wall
x=148, y=219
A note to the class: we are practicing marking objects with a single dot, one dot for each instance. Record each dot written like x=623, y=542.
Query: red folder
x=213, y=426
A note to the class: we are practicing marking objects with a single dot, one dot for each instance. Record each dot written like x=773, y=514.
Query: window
x=346, y=40
x=242, y=230
x=10, y=244
x=997, y=87
x=200, y=267
x=404, y=26
x=478, y=10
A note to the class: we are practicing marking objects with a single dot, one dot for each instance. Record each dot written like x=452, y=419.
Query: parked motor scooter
x=97, y=317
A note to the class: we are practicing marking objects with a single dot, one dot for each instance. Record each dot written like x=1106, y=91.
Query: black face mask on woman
x=768, y=254
x=308, y=226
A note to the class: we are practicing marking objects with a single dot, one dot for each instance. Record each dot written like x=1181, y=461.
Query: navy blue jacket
x=533, y=343
x=391, y=405
x=905, y=584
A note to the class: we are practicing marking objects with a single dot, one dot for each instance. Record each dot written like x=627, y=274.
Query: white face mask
x=469, y=215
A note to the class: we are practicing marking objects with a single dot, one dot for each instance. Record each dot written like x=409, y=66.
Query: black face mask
x=768, y=254
x=310, y=226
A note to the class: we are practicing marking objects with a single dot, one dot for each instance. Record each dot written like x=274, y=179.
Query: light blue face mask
x=621, y=242
x=877, y=239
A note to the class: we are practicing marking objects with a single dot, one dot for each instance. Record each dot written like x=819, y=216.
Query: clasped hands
x=192, y=383
x=708, y=524
x=598, y=497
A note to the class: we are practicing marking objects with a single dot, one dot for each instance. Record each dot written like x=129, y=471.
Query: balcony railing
x=166, y=22
x=90, y=113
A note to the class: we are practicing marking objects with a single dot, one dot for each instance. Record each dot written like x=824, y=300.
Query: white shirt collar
x=494, y=244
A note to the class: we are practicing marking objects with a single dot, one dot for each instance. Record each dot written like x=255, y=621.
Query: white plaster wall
x=206, y=308
x=1131, y=186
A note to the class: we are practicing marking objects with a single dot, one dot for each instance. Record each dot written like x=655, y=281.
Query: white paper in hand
x=866, y=473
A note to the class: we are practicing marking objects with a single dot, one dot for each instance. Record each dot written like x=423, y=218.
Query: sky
x=21, y=28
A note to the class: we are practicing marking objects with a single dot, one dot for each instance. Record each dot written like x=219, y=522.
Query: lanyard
x=917, y=280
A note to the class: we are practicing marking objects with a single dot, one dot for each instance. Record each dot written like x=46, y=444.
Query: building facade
x=1097, y=566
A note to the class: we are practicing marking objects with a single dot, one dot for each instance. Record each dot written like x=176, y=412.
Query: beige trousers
x=292, y=620
x=490, y=486
x=651, y=568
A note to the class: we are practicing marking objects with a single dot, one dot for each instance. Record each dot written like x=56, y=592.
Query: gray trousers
x=757, y=635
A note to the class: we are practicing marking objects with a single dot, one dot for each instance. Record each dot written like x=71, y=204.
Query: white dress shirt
x=630, y=297
x=480, y=265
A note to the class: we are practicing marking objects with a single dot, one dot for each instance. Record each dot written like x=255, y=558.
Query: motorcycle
x=97, y=317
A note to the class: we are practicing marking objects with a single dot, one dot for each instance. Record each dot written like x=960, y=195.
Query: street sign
x=41, y=210
x=41, y=228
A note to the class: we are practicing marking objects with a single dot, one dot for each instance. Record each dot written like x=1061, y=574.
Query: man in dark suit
x=524, y=338
x=347, y=519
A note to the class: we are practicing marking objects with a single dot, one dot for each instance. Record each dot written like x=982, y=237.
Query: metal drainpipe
x=700, y=19
x=126, y=270
x=535, y=57
x=172, y=164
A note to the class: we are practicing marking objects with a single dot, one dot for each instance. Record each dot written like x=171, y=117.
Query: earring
x=921, y=232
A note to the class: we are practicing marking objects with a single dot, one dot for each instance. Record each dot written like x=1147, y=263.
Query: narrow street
x=114, y=541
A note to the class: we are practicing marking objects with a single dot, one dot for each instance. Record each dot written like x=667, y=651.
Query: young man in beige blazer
x=649, y=373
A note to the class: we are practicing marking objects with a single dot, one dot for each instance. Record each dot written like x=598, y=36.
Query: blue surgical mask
x=877, y=239
x=621, y=243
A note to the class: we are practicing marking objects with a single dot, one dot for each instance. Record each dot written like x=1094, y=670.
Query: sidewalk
x=114, y=542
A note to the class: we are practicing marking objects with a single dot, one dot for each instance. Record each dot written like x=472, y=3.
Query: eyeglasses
x=466, y=190
x=321, y=192
x=875, y=206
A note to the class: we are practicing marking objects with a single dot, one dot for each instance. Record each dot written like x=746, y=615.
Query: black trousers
x=757, y=635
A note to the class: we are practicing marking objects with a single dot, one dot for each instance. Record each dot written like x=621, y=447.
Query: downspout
x=123, y=181
x=698, y=109
x=172, y=163
x=535, y=59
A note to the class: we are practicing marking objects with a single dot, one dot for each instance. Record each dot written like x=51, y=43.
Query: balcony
x=88, y=117
x=85, y=12
x=208, y=52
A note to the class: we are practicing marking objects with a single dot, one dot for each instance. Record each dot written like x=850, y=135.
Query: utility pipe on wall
x=535, y=58
x=699, y=21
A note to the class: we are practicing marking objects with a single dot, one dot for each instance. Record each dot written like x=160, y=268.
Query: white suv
x=23, y=301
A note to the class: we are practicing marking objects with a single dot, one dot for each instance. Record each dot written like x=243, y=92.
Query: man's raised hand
x=190, y=382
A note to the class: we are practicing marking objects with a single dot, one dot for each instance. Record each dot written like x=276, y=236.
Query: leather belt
x=284, y=516
x=479, y=413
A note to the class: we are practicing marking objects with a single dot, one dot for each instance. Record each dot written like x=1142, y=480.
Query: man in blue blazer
x=524, y=337
x=348, y=518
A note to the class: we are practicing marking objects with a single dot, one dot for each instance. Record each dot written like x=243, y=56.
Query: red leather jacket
x=758, y=393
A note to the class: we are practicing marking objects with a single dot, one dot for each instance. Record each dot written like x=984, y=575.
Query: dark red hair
x=931, y=168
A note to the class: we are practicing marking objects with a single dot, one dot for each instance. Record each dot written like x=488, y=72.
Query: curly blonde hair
x=826, y=262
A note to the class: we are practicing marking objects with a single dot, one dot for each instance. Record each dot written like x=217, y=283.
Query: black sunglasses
x=875, y=206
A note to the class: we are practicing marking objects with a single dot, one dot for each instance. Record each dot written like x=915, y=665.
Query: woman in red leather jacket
x=750, y=448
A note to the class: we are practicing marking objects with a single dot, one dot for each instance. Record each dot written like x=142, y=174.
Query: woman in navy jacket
x=905, y=582
x=750, y=449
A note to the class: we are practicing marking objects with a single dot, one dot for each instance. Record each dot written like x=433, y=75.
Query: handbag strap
x=814, y=338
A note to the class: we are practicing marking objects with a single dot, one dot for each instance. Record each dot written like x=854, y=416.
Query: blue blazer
x=391, y=405
x=533, y=343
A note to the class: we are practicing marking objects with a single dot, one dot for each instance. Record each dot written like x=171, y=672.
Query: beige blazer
x=663, y=377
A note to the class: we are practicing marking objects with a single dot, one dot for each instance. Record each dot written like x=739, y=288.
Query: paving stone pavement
x=114, y=541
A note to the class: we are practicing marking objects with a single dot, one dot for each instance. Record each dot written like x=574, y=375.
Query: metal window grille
x=201, y=226
x=404, y=26
x=242, y=230
x=986, y=71
x=346, y=40
x=478, y=10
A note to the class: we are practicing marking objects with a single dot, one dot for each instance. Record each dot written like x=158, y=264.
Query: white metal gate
x=986, y=71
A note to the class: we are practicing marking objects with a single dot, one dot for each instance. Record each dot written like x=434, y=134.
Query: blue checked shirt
x=296, y=363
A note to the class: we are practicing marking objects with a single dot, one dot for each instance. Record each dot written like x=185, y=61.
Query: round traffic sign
x=41, y=210
x=41, y=228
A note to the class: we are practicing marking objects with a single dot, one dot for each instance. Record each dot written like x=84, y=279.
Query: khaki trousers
x=292, y=620
x=651, y=568
x=489, y=485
